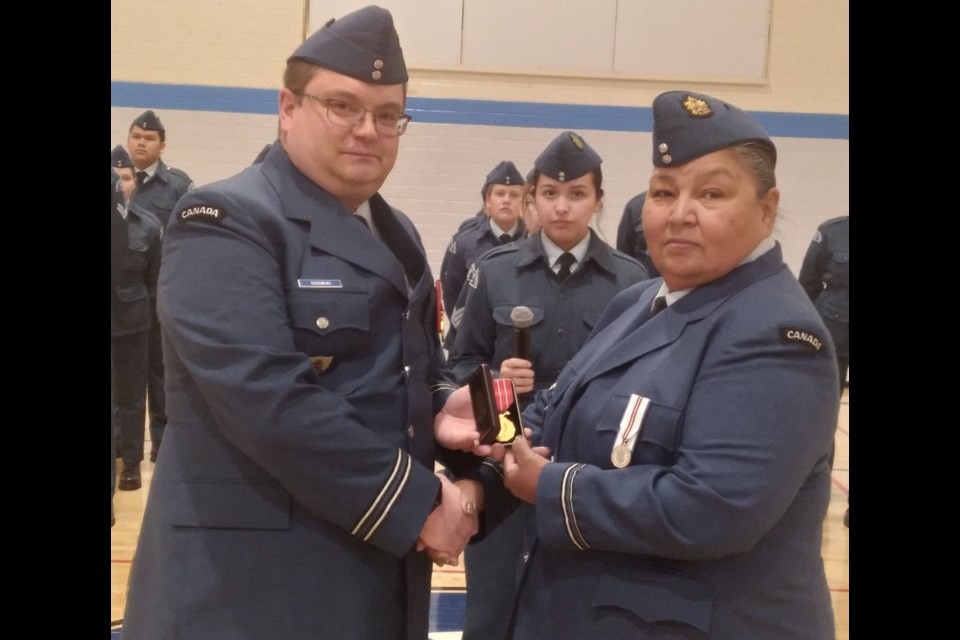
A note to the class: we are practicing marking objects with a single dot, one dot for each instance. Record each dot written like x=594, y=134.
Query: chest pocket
x=660, y=431
x=838, y=270
x=329, y=323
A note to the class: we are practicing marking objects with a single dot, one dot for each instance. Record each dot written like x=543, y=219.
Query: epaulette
x=180, y=174
x=497, y=251
x=833, y=221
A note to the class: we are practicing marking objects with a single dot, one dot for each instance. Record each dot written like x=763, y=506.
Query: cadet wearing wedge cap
x=159, y=187
x=296, y=497
x=497, y=223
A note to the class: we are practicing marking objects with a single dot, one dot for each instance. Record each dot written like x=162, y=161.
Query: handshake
x=450, y=526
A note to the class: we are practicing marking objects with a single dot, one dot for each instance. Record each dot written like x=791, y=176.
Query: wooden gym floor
x=448, y=582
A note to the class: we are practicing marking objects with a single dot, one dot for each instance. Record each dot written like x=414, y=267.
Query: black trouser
x=130, y=386
x=157, y=396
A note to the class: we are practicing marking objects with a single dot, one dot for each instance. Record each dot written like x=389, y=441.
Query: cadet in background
x=159, y=187
x=134, y=294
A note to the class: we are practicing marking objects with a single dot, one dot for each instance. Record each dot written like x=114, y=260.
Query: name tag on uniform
x=312, y=283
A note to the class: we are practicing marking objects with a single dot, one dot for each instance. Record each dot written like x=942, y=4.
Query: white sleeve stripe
x=383, y=491
x=386, y=511
x=566, y=504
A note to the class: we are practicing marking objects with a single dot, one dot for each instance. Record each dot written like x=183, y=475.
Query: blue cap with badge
x=148, y=121
x=687, y=125
x=504, y=173
x=363, y=45
x=567, y=158
x=119, y=158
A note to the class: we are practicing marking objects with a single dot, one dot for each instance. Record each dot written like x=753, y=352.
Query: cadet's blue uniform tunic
x=471, y=241
x=302, y=383
x=564, y=312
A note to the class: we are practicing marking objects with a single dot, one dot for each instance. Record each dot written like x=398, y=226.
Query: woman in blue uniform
x=565, y=302
x=687, y=479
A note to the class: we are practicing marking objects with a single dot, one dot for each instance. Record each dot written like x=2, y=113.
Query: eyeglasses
x=348, y=114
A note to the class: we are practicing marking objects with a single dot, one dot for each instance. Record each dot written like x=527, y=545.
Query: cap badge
x=577, y=142
x=696, y=107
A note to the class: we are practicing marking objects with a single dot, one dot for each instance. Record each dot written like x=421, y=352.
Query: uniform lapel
x=332, y=228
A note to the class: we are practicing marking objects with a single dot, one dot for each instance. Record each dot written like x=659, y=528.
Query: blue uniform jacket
x=136, y=281
x=471, y=241
x=159, y=195
x=714, y=528
x=564, y=312
x=298, y=460
x=825, y=276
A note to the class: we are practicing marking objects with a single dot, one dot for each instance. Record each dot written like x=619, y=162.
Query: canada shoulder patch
x=208, y=213
x=803, y=337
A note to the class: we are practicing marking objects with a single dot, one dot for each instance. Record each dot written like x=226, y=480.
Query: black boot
x=129, y=476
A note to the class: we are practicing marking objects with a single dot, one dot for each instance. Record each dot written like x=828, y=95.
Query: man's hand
x=455, y=428
x=450, y=526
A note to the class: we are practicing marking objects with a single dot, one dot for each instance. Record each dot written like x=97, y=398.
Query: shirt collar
x=765, y=245
x=554, y=252
x=497, y=231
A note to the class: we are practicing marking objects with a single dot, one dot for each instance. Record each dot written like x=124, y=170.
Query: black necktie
x=566, y=260
x=141, y=178
x=659, y=304
x=505, y=238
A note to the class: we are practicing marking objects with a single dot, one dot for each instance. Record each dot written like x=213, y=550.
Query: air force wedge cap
x=148, y=121
x=504, y=173
x=567, y=158
x=119, y=158
x=363, y=45
x=687, y=125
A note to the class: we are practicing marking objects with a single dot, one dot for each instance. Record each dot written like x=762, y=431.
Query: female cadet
x=689, y=476
x=565, y=275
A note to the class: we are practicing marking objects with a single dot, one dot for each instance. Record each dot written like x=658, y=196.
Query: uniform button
x=560, y=332
x=322, y=322
x=406, y=371
x=526, y=557
x=410, y=431
x=406, y=315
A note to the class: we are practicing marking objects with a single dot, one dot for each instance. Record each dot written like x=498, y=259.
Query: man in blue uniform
x=159, y=187
x=134, y=291
x=630, y=238
x=502, y=194
x=296, y=496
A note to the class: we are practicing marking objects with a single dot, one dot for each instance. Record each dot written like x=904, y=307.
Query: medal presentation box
x=495, y=407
